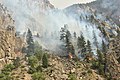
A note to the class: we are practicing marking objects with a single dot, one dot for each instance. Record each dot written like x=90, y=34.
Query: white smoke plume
x=41, y=17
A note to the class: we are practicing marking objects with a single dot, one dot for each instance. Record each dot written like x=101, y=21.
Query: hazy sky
x=64, y=3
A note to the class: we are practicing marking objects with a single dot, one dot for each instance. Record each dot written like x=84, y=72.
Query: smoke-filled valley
x=41, y=42
x=42, y=18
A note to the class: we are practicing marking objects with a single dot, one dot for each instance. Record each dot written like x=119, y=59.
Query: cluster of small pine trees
x=66, y=38
x=84, y=47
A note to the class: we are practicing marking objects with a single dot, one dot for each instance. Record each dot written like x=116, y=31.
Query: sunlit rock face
x=42, y=18
x=7, y=37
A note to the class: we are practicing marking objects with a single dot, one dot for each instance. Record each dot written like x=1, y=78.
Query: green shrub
x=6, y=77
x=38, y=54
x=2, y=75
x=38, y=76
x=89, y=71
x=101, y=69
x=94, y=64
x=39, y=68
x=84, y=73
x=16, y=62
x=72, y=77
x=33, y=61
x=7, y=69
x=32, y=70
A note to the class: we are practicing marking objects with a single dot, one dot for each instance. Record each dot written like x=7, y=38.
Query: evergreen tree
x=63, y=33
x=81, y=45
x=100, y=62
x=69, y=46
x=104, y=50
x=66, y=38
x=16, y=62
x=68, y=43
x=100, y=56
x=89, y=53
x=45, y=61
x=30, y=43
x=104, y=47
x=88, y=46
x=95, y=40
x=81, y=42
x=74, y=34
x=38, y=76
x=33, y=61
x=104, y=32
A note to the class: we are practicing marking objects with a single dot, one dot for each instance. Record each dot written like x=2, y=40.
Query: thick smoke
x=110, y=8
x=47, y=22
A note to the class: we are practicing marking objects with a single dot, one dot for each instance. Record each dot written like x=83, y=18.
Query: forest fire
x=70, y=56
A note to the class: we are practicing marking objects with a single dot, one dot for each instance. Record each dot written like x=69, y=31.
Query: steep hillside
x=42, y=18
x=113, y=59
x=87, y=42
x=8, y=40
x=110, y=8
x=7, y=37
x=62, y=68
x=58, y=69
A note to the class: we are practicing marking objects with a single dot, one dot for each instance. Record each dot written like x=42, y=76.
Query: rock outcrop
x=61, y=68
x=113, y=59
x=110, y=8
x=7, y=37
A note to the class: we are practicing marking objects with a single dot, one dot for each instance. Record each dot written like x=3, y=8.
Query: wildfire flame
x=70, y=56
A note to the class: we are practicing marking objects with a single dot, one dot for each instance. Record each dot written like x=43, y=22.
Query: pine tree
x=63, y=34
x=100, y=62
x=74, y=34
x=82, y=45
x=100, y=56
x=45, y=61
x=104, y=50
x=33, y=61
x=104, y=32
x=16, y=62
x=88, y=46
x=30, y=43
x=66, y=38
x=89, y=53
x=104, y=47
x=69, y=46
x=81, y=42
x=68, y=43
x=95, y=40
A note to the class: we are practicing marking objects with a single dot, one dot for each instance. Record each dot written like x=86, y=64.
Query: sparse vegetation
x=45, y=61
x=5, y=74
x=16, y=62
x=72, y=77
x=33, y=61
x=38, y=76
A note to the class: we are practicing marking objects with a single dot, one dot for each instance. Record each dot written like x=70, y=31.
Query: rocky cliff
x=7, y=37
x=110, y=8
x=113, y=59
x=42, y=18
